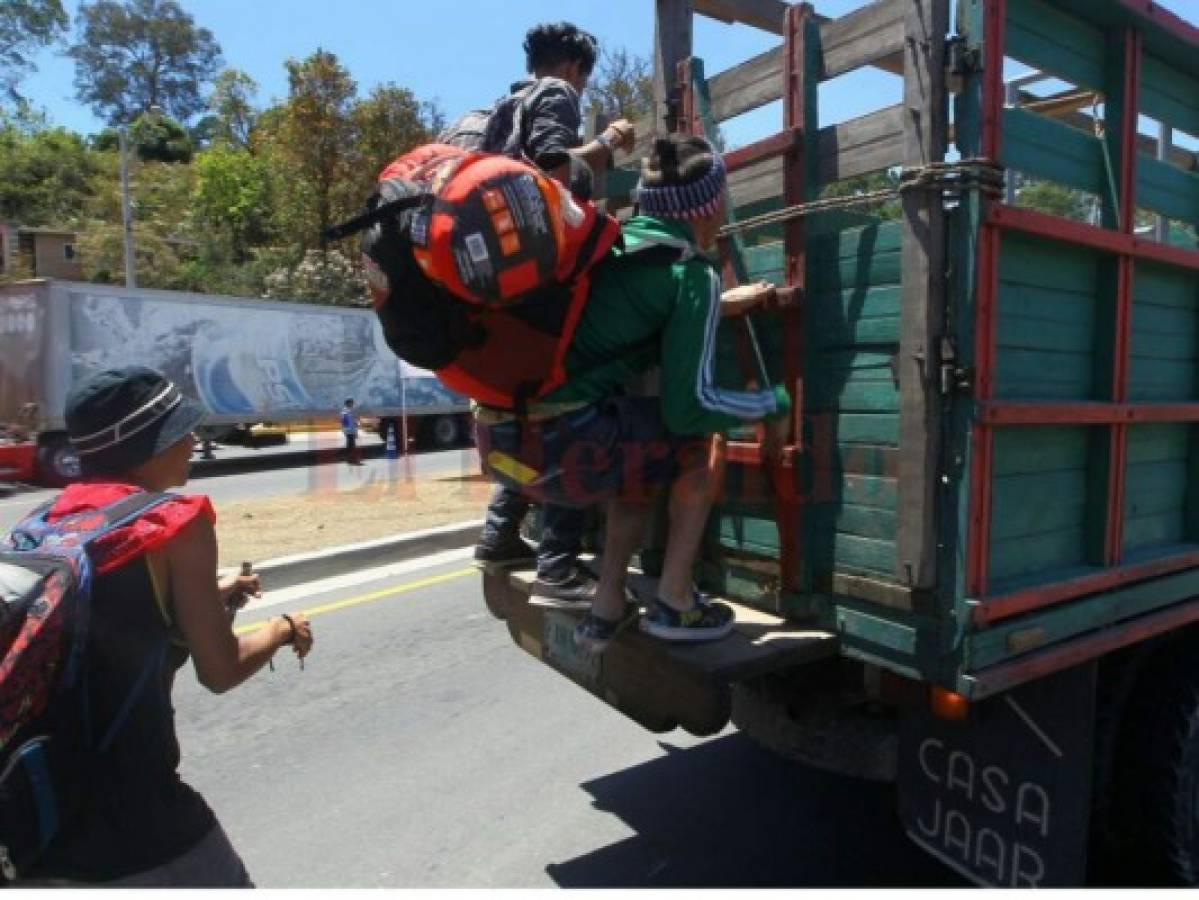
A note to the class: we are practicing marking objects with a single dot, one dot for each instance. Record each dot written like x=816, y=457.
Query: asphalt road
x=421, y=748
x=250, y=485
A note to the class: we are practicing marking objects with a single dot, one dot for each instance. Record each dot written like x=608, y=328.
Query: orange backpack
x=478, y=267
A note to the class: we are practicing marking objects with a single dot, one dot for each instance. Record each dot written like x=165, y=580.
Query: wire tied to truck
x=983, y=175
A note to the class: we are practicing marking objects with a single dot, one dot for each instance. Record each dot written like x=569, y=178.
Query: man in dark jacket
x=540, y=120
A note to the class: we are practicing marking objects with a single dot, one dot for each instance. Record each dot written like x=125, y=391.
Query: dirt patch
x=264, y=529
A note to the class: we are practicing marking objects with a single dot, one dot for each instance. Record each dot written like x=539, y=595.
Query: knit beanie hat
x=683, y=178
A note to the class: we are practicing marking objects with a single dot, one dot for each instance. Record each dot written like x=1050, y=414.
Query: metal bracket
x=954, y=377
x=961, y=60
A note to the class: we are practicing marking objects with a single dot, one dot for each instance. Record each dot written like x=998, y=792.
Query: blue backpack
x=45, y=610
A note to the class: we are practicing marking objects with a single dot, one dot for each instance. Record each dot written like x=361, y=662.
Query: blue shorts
x=618, y=448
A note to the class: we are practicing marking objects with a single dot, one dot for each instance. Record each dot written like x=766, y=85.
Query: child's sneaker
x=593, y=634
x=705, y=621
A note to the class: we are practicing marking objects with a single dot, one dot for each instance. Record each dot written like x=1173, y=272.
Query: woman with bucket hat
x=155, y=591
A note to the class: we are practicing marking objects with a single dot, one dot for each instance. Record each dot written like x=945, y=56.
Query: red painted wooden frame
x=1115, y=413
x=789, y=143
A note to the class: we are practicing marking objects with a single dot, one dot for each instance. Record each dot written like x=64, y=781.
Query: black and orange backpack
x=478, y=269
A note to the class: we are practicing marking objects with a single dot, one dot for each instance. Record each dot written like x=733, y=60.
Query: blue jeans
x=561, y=531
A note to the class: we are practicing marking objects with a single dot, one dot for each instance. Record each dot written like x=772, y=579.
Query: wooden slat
x=672, y=44
x=870, y=35
x=923, y=297
x=747, y=86
x=769, y=15
x=848, y=43
x=862, y=145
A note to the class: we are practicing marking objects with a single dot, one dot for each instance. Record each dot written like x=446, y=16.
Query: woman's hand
x=742, y=299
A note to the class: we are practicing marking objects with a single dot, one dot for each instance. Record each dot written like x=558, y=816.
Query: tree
x=233, y=196
x=389, y=122
x=136, y=54
x=160, y=139
x=25, y=27
x=313, y=142
x=232, y=108
x=45, y=175
x=623, y=86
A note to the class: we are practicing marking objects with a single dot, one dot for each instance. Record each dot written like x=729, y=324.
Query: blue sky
x=461, y=53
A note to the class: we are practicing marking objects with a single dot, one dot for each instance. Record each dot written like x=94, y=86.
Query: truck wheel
x=443, y=432
x=57, y=462
x=1156, y=790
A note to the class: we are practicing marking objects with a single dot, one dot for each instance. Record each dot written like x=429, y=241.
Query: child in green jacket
x=657, y=304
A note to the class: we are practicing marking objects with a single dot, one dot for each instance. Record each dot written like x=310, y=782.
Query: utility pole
x=127, y=210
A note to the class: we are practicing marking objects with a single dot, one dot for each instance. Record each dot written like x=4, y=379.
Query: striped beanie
x=683, y=178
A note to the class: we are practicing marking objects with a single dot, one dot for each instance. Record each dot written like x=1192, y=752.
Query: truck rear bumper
x=661, y=686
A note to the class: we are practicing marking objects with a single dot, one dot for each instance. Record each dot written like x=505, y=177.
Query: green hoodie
x=644, y=312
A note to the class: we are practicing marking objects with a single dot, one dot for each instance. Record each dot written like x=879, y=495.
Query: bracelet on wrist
x=291, y=623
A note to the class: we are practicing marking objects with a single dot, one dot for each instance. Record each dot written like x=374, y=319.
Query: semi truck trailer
x=245, y=360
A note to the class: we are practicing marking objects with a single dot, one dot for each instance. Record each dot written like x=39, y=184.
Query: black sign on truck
x=1004, y=798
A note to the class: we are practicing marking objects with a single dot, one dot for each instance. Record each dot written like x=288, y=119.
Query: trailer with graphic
x=975, y=569
x=244, y=360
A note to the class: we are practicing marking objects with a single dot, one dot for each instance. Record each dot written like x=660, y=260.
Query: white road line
x=1036, y=729
x=342, y=582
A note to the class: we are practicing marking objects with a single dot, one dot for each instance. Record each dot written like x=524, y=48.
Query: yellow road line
x=369, y=598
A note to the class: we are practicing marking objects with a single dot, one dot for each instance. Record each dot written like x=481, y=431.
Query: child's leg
x=691, y=499
x=622, y=537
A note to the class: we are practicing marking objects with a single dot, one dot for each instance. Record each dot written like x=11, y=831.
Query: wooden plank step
x=760, y=641
x=660, y=685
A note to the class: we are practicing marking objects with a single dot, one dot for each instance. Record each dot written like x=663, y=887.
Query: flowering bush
x=328, y=277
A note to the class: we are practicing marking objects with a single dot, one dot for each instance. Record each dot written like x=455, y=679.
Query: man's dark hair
x=551, y=43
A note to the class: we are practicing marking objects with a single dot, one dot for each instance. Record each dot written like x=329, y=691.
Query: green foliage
x=232, y=108
x=233, y=195
x=45, y=175
x=25, y=27
x=1054, y=199
x=159, y=138
x=137, y=54
x=243, y=214
x=622, y=87
x=389, y=122
x=866, y=184
x=101, y=251
x=313, y=144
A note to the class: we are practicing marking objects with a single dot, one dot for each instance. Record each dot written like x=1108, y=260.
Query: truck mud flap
x=1004, y=797
x=660, y=686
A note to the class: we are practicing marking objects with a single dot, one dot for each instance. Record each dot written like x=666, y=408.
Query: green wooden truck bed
x=989, y=504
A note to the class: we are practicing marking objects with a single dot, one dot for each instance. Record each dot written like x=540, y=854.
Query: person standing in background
x=349, y=428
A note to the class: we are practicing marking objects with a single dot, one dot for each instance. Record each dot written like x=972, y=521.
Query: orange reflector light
x=948, y=705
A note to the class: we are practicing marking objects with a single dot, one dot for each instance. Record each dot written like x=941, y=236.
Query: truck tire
x=1156, y=781
x=56, y=460
x=442, y=432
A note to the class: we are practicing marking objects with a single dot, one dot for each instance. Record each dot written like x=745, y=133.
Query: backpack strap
x=370, y=217
x=128, y=510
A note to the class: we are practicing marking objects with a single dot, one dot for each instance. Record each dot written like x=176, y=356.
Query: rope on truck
x=983, y=175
